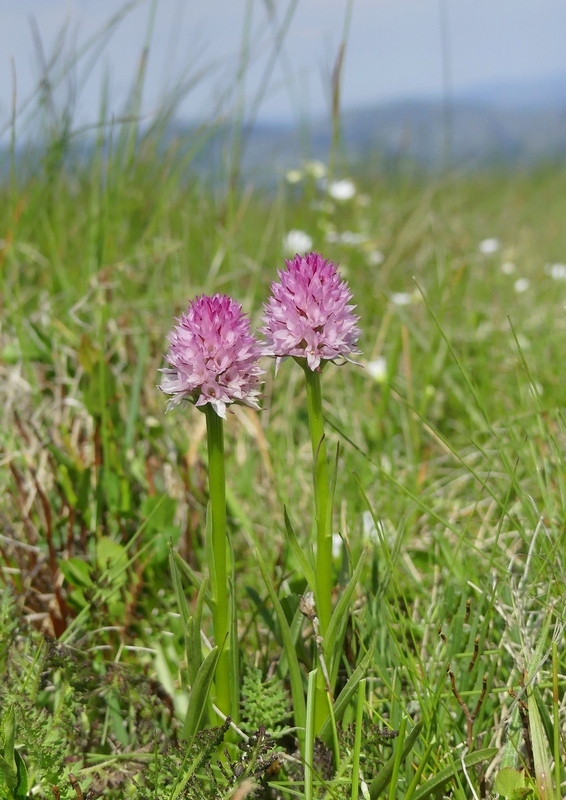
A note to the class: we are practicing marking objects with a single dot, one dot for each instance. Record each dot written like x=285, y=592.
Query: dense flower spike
x=213, y=356
x=308, y=315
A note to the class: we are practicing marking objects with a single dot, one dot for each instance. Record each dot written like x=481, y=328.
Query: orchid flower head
x=212, y=357
x=308, y=315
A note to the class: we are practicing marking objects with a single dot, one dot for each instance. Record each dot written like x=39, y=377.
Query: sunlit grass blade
x=178, y=589
x=541, y=759
x=344, y=698
x=354, y=792
x=334, y=637
x=433, y=785
x=234, y=655
x=199, y=696
x=193, y=643
x=397, y=756
x=303, y=559
x=381, y=781
x=310, y=734
x=423, y=761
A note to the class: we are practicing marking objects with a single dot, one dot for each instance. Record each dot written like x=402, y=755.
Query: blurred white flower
x=342, y=190
x=294, y=176
x=558, y=272
x=489, y=246
x=336, y=545
x=508, y=268
x=297, y=241
x=372, y=532
x=376, y=257
x=377, y=369
x=401, y=298
x=521, y=285
x=369, y=527
x=332, y=236
x=315, y=169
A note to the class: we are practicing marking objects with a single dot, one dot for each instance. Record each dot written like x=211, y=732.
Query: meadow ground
x=450, y=478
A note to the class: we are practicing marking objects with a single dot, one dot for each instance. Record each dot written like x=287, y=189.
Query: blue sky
x=393, y=50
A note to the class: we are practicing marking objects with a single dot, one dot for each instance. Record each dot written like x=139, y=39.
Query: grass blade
x=310, y=735
x=199, y=696
x=381, y=781
x=343, y=699
x=335, y=634
x=433, y=785
x=298, y=552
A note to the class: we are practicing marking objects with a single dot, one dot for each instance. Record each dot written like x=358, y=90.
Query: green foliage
x=264, y=702
x=197, y=772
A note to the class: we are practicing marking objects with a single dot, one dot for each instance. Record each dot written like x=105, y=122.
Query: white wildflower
x=375, y=258
x=336, y=545
x=489, y=246
x=342, y=190
x=377, y=369
x=372, y=532
x=521, y=285
x=401, y=298
x=297, y=241
x=508, y=268
x=315, y=169
x=558, y=272
x=294, y=176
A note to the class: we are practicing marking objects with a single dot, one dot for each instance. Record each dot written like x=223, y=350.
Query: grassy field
x=450, y=478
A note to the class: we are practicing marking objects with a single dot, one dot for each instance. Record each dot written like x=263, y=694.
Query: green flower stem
x=323, y=589
x=323, y=569
x=219, y=577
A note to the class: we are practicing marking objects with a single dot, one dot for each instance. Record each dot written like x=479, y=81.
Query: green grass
x=451, y=472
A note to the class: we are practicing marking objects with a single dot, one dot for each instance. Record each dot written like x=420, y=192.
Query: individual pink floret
x=308, y=315
x=212, y=356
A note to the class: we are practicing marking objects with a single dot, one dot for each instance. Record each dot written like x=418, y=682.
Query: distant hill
x=528, y=95
x=507, y=123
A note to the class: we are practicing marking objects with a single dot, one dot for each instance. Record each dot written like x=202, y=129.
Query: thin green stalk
x=323, y=570
x=358, y=740
x=323, y=589
x=310, y=734
x=556, y=721
x=219, y=577
x=398, y=758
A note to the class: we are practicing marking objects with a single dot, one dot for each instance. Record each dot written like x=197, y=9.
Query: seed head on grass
x=213, y=356
x=308, y=315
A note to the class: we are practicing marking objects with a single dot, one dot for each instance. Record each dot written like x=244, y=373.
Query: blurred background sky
x=394, y=50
